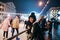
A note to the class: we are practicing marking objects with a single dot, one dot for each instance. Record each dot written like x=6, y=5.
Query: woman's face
x=16, y=17
x=41, y=18
x=31, y=19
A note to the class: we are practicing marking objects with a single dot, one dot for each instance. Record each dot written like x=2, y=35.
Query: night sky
x=26, y=6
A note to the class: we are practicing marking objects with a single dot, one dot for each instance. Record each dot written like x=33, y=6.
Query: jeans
x=14, y=30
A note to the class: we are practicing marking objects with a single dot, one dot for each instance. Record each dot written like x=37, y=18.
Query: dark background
x=26, y=6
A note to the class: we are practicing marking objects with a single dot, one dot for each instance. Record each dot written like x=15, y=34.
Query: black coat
x=28, y=24
x=39, y=32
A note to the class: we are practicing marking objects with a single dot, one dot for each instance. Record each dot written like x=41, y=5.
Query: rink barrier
x=17, y=35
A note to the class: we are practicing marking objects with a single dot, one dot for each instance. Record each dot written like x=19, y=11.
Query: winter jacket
x=15, y=23
x=6, y=24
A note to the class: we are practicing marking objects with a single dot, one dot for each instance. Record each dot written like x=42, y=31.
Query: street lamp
x=40, y=3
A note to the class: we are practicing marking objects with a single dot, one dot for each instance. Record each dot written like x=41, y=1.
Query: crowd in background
x=39, y=27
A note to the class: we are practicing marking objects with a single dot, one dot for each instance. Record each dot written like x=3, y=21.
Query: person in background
x=29, y=24
x=56, y=24
x=49, y=28
x=15, y=24
x=38, y=31
x=5, y=26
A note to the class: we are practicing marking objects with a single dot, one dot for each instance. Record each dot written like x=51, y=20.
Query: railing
x=17, y=35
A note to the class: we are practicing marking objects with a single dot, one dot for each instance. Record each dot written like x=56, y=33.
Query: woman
x=5, y=26
x=15, y=24
x=29, y=24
